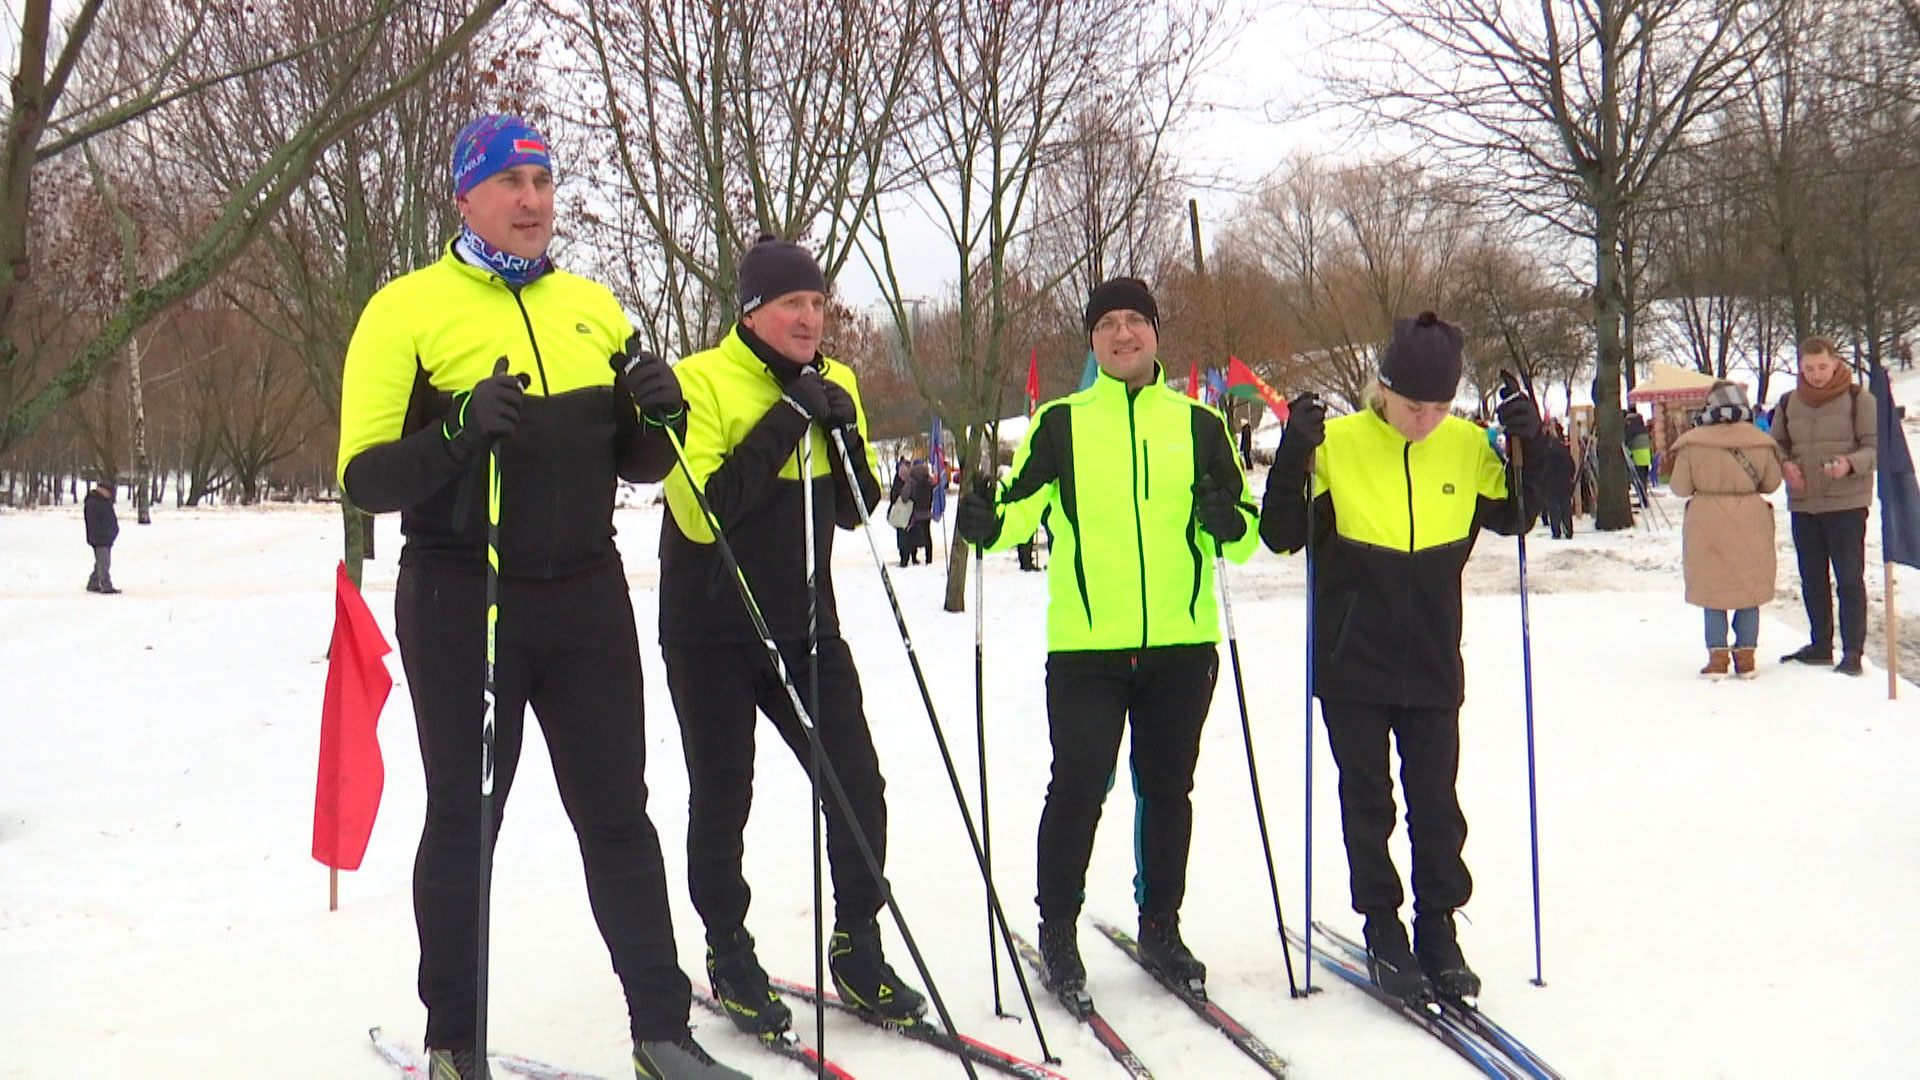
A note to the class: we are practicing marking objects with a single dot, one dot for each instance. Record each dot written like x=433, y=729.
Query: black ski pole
x=1307, y=935
x=813, y=761
x=940, y=739
x=980, y=740
x=1515, y=463
x=827, y=772
x=486, y=756
x=1253, y=772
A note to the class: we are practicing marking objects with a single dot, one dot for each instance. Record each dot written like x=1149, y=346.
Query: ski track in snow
x=1720, y=861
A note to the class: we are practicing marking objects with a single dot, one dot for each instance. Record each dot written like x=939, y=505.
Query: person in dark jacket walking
x=900, y=509
x=103, y=528
x=493, y=348
x=920, y=535
x=1142, y=491
x=754, y=401
x=1556, y=482
x=1400, y=491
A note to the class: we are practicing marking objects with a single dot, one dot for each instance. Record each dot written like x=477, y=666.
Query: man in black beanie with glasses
x=750, y=402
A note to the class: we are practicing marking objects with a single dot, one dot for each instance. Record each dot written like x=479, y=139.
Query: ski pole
x=940, y=740
x=826, y=770
x=1516, y=452
x=1307, y=930
x=486, y=753
x=813, y=764
x=1253, y=773
x=980, y=739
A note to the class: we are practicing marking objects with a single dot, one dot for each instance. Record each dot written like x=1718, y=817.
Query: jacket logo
x=582, y=328
x=1446, y=489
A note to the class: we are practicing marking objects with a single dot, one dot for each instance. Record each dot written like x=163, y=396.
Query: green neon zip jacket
x=1114, y=472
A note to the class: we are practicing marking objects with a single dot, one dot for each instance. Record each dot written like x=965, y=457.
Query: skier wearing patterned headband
x=494, y=349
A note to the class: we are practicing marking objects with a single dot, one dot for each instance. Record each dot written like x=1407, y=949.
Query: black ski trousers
x=1837, y=539
x=717, y=690
x=1092, y=696
x=1429, y=741
x=568, y=648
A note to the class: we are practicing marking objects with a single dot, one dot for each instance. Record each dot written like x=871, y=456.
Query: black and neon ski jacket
x=1393, y=523
x=1114, y=469
x=439, y=330
x=743, y=444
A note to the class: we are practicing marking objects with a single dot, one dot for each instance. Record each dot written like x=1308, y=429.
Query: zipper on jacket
x=1139, y=537
x=1406, y=466
x=1146, y=471
x=539, y=364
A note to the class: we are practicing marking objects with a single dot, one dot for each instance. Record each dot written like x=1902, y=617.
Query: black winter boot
x=1438, y=949
x=1809, y=654
x=1060, y=948
x=1162, y=949
x=740, y=985
x=1390, y=961
x=861, y=975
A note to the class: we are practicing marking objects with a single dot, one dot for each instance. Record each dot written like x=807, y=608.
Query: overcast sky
x=1251, y=119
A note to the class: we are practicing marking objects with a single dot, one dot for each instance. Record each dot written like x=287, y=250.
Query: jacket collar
x=1105, y=385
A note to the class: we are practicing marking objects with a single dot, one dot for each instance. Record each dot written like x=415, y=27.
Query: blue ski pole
x=1515, y=461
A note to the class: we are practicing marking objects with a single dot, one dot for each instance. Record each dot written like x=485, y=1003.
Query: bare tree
x=995, y=112
x=110, y=69
x=1566, y=109
x=1353, y=249
x=706, y=123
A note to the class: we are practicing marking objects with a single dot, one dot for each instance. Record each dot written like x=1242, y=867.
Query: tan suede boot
x=1744, y=664
x=1717, y=661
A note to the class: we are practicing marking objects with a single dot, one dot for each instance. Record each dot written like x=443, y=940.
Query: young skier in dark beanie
x=494, y=348
x=1143, y=489
x=751, y=400
x=1400, y=490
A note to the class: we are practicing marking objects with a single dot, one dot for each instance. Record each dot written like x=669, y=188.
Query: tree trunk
x=142, y=468
x=1613, y=510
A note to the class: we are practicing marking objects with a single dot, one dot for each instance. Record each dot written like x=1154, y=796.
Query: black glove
x=1218, y=511
x=649, y=381
x=823, y=401
x=975, y=520
x=489, y=411
x=1306, y=428
x=1519, y=417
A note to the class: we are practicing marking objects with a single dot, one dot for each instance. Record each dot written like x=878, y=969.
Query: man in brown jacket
x=1826, y=430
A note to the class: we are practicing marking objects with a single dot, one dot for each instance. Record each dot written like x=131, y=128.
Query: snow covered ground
x=1726, y=868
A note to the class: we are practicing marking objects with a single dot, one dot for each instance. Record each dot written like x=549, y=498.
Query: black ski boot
x=454, y=1065
x=740, y=985
x=679, y=1059
x=861, y=975
x=1162, y=949
x=1438, y=950
x=1390, y=961
x=1060, y=948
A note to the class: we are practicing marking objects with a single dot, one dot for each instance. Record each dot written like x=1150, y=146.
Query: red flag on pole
x=1033, y=382
x=1193, y=379
x=1243, y=383
x=347, y=795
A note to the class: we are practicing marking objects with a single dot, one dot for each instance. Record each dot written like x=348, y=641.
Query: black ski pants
x=717, y=690
x=1836, y=539
x=1091, y=696
x=569, y=649
x=1429, y=741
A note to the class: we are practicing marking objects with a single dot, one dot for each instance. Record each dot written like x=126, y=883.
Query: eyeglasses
x=1131, y=320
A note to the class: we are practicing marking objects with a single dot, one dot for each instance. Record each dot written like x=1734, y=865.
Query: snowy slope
x=1722, y=863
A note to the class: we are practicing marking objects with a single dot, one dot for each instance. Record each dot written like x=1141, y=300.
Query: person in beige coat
x=1826, y=427
x=1725, y=465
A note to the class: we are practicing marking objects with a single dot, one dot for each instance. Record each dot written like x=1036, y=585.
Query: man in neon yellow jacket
x=493, y=348
x=1142, y=491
